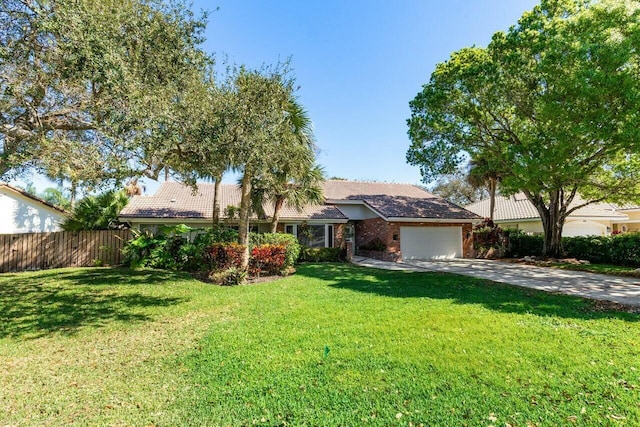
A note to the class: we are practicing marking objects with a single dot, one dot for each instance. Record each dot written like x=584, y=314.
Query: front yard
x=333, y=345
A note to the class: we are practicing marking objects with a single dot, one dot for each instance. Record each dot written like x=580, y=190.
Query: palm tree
x=299, y=190
x=99, y=212
x=483, y=173
x=296, y=179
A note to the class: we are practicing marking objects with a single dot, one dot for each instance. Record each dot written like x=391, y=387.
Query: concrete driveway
x=623, y=290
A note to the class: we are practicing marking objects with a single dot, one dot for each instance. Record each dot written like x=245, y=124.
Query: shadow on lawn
x=41, y=303
x=460, y=289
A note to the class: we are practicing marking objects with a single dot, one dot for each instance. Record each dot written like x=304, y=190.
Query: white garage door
x=583, y=228
x=431, y=242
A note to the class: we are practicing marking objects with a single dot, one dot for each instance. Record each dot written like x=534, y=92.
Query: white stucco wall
x=19, y=214
x=355, y=212
x=571, y=227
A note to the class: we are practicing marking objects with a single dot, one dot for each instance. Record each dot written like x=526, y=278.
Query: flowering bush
x=488, y=239
x=223, y=256
x=267, y=259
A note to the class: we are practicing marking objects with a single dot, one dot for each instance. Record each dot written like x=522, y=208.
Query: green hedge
x=289, y=241
x=322, y=255
x=521, y=244
x=620, y=249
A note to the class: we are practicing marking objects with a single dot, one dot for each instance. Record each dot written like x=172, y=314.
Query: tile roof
x=395, y=200
x=175, y=200
x=519, y=207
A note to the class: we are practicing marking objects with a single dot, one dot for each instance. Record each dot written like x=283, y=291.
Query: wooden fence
x=41, y=251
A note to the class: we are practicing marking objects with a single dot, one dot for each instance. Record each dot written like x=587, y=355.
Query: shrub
x=592, y=248
x=487, y=235
x=142, y=250
x=223, y=256
x=625, y=249
x=322, y=255
x=267, y=259
x=375, y=244
x=229, y=277
x=618, y=249
x=520, y=244
x=289, y=241
x=220, y=234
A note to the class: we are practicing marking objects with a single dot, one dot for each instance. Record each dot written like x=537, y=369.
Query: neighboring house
x=631, y=223
x=409, y=221
x=597, y=219
x=21, y=212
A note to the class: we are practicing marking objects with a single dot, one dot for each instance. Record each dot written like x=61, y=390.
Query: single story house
x=410, y=222
x=21, y=212
x=597, y=219
x=632, y=221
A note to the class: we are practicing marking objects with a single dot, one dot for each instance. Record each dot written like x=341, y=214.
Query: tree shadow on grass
x=64, y=301
x=460, y=290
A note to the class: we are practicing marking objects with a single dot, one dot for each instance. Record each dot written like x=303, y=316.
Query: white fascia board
x=313, y=221
x=500, y=221
x=355, y=202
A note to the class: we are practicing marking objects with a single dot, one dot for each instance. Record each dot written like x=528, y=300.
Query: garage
x=431, y=242
x=583, y=228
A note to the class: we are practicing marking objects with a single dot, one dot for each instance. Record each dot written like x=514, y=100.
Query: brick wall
x=369, y=229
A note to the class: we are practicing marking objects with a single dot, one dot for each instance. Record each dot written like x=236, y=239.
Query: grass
x=614, y=270
x=333, y=345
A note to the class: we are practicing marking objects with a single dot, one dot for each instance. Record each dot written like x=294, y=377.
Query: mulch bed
x=599, y=305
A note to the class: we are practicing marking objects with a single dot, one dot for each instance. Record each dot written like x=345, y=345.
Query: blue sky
x=358, y=64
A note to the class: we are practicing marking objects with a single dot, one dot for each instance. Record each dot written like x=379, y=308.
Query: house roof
x=395, y=200
x=175, y=200
x=36, y=199
x=518, y=207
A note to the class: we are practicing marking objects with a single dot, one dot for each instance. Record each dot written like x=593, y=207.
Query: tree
x=99, y=212
x=206, y=149
x=91, y=86
x=295, y=178
x=552, y=104
x=263, y=134
x=457, y=189
x=480, y=175
x=56, y=197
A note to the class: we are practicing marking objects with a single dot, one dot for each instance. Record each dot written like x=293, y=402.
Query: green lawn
x=333, y=345
x=615, y=270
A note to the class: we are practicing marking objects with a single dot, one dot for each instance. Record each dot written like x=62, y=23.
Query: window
x=291, y=229
x=315, y=235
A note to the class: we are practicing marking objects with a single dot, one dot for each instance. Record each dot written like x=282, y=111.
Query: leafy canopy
x=89, y=89
x=551, y=106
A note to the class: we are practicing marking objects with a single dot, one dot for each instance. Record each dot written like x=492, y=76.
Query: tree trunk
x=552, y=222
x=245, y=213
x=73, y=194
x=277, y=207
x=493, y=183
x=216, y=201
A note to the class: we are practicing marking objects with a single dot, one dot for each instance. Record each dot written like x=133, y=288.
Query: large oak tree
x=553, y=105
x=91, y=86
